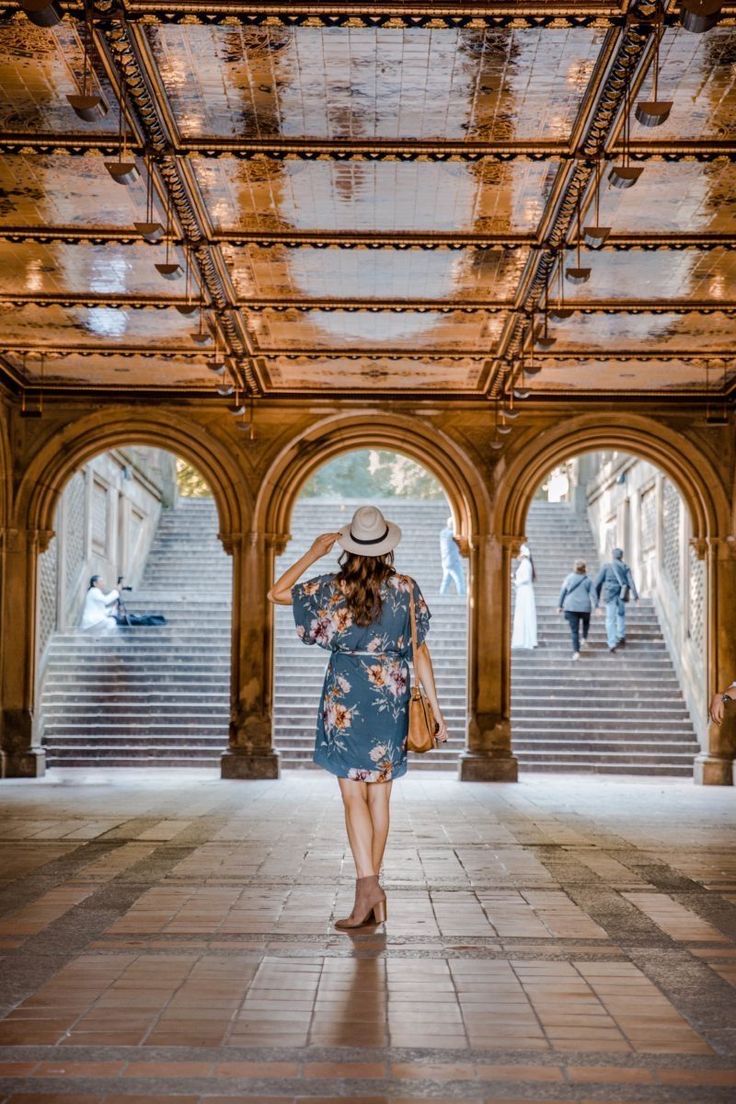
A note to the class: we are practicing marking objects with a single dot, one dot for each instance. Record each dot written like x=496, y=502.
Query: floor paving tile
x=160, y=962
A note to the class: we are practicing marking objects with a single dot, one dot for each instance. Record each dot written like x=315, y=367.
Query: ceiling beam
x=502, y=13
x=393, y=306
x=406, y=149
x=320, y=239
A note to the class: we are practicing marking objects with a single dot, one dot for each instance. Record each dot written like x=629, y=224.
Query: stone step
x=571, y=747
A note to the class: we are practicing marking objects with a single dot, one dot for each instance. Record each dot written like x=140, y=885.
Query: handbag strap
x=614, y=565
x=413, y=624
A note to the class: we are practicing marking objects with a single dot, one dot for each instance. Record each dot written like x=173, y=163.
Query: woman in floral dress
x=361, y=616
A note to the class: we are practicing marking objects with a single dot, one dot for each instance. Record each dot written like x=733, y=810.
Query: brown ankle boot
x=370, y=904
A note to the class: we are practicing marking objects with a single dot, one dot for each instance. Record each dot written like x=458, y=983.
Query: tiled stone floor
x=165, y=936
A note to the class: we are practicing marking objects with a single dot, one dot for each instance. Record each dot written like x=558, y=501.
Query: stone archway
x=430, y=447
x=700, y=485
x=31, y=528
x=487, y=755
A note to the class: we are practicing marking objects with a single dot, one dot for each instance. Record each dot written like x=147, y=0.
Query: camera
x=120, y=580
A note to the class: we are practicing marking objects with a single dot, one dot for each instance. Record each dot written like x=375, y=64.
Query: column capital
x=512, y=543
x=277, y=542
x=22, y=540
x=724, y=547
x=230, y=541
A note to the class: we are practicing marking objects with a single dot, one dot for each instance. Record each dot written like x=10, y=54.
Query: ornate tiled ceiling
x=370, y=198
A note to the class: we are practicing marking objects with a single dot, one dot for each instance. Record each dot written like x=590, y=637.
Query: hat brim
x=380, y=548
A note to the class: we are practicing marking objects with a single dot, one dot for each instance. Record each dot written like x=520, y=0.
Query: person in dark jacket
x=613, y=579
x=577, y=600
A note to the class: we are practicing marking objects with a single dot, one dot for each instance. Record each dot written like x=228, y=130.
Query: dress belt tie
x=375, y=655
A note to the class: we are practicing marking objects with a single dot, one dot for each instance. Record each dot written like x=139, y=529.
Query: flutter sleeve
x=422, y=614
x=309, y=601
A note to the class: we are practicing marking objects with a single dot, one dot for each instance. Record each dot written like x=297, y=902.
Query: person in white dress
x=99, y=607
x=524, y=634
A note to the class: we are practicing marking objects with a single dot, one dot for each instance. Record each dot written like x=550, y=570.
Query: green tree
x=372, y=473
x=189, y=482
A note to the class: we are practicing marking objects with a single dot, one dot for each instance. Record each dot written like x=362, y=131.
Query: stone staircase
x=151, y=695
x=159, y=695
x=300, y=670
x=621, y=713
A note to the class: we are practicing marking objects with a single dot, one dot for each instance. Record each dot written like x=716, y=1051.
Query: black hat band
x=373, y=540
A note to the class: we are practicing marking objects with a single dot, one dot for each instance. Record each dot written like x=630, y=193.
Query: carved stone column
x=21, y=755
x=250, y=752
x=715, y=764
x=488, y=757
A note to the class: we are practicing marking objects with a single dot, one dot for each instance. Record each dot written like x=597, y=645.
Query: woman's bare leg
x=359, y=824
x=379, y=797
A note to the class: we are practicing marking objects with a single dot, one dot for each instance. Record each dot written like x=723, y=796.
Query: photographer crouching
x=100, y=608
x=105, y=611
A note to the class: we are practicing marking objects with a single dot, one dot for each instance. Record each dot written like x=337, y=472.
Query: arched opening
x=411, y=495
x=621, y=689
x=141, y=676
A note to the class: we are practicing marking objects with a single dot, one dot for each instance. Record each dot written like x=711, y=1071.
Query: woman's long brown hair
x=361, y=579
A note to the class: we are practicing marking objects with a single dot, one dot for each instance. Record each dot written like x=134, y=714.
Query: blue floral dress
x=363, y=713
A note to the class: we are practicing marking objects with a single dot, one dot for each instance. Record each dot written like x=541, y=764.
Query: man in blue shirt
x=452, y=565
x=613, y=580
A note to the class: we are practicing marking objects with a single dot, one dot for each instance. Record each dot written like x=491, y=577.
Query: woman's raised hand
x=322, y=544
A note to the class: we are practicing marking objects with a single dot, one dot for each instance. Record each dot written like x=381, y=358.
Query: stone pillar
x=21, y=755
x=715, y=764
x=487, y=757
x=250, y=752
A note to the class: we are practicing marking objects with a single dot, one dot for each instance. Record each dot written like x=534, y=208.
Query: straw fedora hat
x=369, y=534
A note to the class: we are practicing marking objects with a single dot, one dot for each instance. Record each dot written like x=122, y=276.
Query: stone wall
x=633, y=505
x=105, y=521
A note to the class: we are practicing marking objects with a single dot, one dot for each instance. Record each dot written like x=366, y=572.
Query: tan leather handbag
x=422, y=723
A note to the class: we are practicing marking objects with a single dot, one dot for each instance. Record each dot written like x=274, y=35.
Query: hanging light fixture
x=88, y=106
x=697, y=16
x=248, y=425
x=595, y=236
x=625, y=175
x=170, y=270
x=124, y=170
x=509, y=412
x=654, y=112
x=540, y=334
x=190, y=306
x=151, y=230
x=560, y=312
x=521, y=392
x=226, y=389
x=202, y=336
x=577, y=274
x=42, y=13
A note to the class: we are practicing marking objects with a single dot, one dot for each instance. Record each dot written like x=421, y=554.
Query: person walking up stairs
x=622, y=713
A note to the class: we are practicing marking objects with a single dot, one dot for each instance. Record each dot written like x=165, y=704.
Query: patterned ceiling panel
x=645, y=333
x=54, y=327
x=635, y=275
x=147, y=373
x=580, y=376
x=677, y=197
x=339, y=330
x=57, y=190
x=38, y=69
x=388, y=196
x=698, y=73
x=455, y=228
x=442, y=274
x=99, y=270
x=346, y=375
x=360, y=82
